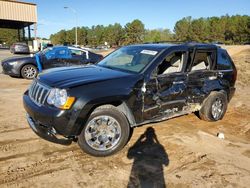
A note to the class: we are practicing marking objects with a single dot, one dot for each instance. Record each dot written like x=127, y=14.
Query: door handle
x=220, y=74
x=178, y=82
x=212, y=77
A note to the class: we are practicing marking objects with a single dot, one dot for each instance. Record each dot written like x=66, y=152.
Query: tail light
x=234, y=74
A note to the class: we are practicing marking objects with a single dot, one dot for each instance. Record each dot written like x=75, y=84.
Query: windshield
x=129, y=58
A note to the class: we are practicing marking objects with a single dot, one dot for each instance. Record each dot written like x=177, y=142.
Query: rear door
x=226, y=68
x=200, y=73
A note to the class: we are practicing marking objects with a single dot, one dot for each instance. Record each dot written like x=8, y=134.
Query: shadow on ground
x=149, y=161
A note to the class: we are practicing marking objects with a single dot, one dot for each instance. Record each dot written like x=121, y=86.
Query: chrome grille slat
x=32, y=91
x=38, y=93
x=45, y=97
x=40, y=96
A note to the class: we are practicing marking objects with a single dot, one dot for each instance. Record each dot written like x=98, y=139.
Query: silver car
x=21, y=48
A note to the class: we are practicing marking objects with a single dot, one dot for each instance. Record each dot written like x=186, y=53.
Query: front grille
x=38, y=93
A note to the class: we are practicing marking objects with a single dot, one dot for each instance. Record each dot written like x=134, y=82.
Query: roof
x=17, y=14
x=14, y=1
x=157, y=46
x=161, y=46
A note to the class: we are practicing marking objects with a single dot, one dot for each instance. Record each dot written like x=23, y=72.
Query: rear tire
x=214, y=106
x=105, y=133
x=29, y=72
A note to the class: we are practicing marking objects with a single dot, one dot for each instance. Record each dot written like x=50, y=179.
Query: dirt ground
x=181, y=152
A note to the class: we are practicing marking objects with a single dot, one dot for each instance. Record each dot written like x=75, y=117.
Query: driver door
x=56, y=58
x=167, y=89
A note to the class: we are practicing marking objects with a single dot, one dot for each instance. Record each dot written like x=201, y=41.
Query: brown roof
x=17, y=11
x=19, y=2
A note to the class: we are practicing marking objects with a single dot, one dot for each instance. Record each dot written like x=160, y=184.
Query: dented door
x=172, y=91
x=165, y=95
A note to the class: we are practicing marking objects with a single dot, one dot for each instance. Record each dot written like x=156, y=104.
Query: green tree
x=134, y=32
x=59, y=38
x=8, y=36
x=114, y=34
x=82, y=35
x=157, y=35
x=182, y=29
x=198, y=30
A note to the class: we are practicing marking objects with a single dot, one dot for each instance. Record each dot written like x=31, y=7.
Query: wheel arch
x=119, y=104
x=21, y=67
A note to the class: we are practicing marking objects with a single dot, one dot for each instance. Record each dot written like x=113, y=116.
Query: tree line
x=8, y=36
x=225, y=29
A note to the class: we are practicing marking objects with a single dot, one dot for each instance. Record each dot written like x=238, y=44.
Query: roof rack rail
x=165, y=41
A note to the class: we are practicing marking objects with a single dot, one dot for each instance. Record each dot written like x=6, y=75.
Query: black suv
x=98, y=105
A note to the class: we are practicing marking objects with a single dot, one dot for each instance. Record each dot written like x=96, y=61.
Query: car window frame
x=188, y=68
x=220, y=52
x=154, y=72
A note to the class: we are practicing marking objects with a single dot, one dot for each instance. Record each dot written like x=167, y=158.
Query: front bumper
x=11, y=70
x=47, y=133
x=45, y=120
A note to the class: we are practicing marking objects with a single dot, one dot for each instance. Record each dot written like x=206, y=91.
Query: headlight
x=60, y=99
x=12, y=63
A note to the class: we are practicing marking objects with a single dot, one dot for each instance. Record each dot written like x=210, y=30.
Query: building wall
x=18, y=11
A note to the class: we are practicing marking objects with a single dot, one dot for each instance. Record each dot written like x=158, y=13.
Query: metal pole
x=35, y=30
x=29, y=32
x=23, y=32
x=19, y=35
x=76, y=30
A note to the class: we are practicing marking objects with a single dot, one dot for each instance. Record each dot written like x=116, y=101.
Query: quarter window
x=224, y=63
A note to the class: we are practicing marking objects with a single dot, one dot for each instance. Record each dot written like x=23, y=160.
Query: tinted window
x=74, y=52
x=224, y=62
x=51, y=53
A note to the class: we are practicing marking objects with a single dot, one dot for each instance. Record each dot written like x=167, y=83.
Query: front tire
x=105, y=133
x=214, y=107
x=29, y=72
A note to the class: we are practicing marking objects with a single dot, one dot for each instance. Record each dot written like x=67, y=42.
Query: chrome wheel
x=102, y=133
x=217, y=109
x=29, y=72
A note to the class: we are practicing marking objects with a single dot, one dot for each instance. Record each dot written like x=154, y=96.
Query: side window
x=62, y=53
x=224, y=62
x=172, y=63
x=202, y=60
x=76, y=52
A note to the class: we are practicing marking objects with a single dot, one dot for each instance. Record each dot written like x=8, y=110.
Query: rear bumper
x=231, y=94
x=47, y=133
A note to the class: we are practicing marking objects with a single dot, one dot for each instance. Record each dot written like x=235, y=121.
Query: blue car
x=59, y=56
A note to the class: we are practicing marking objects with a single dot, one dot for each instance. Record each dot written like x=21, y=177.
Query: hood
x=67, y=77
x=18, y=58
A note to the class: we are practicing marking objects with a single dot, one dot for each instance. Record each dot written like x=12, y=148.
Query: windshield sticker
x=149, y=52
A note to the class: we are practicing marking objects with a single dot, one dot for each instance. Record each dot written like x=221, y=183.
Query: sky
x=155, y=14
